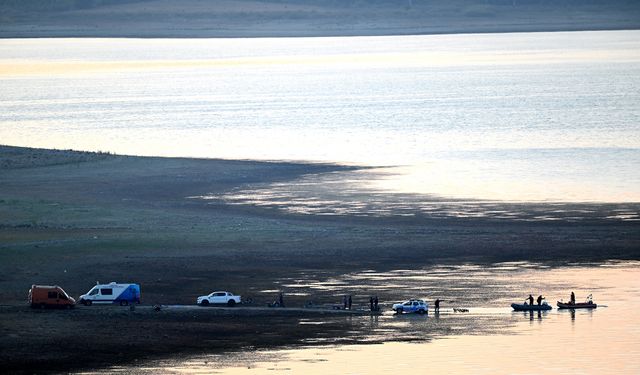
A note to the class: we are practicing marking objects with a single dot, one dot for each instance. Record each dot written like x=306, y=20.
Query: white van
x=113, y=292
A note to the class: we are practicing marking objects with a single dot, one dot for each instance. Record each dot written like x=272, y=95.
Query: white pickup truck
x=219, y=298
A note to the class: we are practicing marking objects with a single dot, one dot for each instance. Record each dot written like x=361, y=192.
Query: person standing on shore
x=349, y=301
x=281, y=299
x=375, y=303
x=437, y=303
x=371, y=303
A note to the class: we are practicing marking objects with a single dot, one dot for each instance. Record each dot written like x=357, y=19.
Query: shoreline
x=306, y=18
x=72, y=218
x=337, y=34
x=98, y=337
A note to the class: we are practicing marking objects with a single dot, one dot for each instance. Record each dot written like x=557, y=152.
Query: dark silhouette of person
x=530, y=299
x=437, y=304
x=539, y=300
x=281, y=299
x=572, y=299
x=371, y=303
x=349, y=301
x=375, y=303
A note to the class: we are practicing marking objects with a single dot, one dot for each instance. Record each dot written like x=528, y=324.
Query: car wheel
x=124, y=303
x=231, y=303
x=421, y=311
x=204, y=302
x=87, y=303
x=399, y=310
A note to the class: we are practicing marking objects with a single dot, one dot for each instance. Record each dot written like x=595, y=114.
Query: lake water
x=489, y=339
x=515, y=117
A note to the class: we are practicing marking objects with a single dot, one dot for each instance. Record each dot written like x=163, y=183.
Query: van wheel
x=204, y=302
x=87, y=303
x=231, y=303
x=124, y=303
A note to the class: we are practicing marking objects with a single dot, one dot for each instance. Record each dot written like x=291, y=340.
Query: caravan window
x=106, y=292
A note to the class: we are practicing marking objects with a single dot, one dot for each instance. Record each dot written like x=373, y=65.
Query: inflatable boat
x=526, y=307
x=582, y=305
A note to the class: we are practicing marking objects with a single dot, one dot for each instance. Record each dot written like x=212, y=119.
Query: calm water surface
x=489, y=339
x=520, y=117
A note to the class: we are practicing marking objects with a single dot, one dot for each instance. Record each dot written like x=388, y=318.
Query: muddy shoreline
x=98, y=337
x=72, y=218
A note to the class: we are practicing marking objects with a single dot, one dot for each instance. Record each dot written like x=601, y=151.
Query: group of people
x=572, y=299
x=530, y=300
x=373, y=303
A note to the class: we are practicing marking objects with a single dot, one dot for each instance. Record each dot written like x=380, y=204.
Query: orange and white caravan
x=49, y=296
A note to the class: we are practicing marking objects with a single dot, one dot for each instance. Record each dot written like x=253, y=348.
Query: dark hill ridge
x=272, y=18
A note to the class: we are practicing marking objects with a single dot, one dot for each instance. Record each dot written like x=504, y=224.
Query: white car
x=411, y=306
x=219, y=298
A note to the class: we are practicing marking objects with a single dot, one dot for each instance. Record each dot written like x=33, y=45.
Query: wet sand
x=99, y=336
x=72, y=219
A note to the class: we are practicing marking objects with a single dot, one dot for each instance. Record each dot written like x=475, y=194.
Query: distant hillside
x=257, y=18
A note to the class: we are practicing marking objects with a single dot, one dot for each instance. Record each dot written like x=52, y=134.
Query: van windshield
x=62, y=295
x=93, y=292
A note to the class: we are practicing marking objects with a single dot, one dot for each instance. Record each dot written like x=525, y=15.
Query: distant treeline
x=61, y=5
x=58, y=5
x=461, y=3
x=259, y=18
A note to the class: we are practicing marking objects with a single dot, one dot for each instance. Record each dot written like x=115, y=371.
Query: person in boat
x=530, y=299
x=539, y=300
x=572, y=299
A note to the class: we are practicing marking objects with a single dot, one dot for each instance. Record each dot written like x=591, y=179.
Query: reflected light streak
x=17, y=67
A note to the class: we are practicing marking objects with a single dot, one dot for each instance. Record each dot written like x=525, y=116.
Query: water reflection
x=361, y=193
x=534, y=315
x=487, y=339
